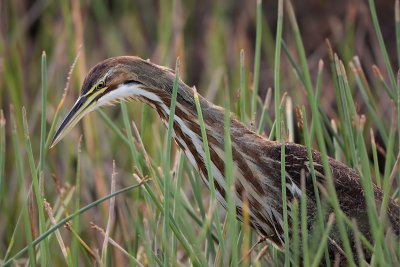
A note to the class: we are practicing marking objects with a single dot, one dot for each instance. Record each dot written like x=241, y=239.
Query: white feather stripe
x=126, y=91
x=198, y=144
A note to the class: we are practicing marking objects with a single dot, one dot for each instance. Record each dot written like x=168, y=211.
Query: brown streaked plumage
x=256, y=159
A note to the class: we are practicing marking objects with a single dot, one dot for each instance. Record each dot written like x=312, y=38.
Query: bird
x=256, y=160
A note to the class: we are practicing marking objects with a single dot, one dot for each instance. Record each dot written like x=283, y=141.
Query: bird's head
x=115, y=79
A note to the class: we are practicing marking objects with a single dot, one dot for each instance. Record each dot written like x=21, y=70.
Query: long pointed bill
x=81, y=107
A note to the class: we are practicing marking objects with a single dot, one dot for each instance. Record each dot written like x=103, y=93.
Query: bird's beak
x=81, y=107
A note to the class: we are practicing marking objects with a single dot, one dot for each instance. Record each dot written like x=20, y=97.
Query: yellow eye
x=101, y=84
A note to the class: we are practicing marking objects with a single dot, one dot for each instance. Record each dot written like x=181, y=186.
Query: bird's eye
x=101, y=84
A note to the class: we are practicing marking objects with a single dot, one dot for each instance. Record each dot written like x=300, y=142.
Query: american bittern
x=256, y=159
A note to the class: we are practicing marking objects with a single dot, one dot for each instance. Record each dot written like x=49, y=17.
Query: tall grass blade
x=231, y=222
x=208, y=167
x=35, y=179
x=257, y=59
x=243, y=94
x=167, y=175
x=382, y=45
x=277, y=66
x=23, y=193
x=284, y=197
x=2, y=152
x=45, y=251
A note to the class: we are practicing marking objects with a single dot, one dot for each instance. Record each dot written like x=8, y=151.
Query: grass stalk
x=43, y=119
x=21, y=183
x=257, y=58
x=35, y=179
x=397, y=26
x=74, y=256
x=110, y=221
x=242, y=87
x=264, y=115
x=382, y=45
x=277, y=66
x=208, y=167
x=295, y=229
x=45, y=251
x=167, y=175
x=284, y=196
x=304, y=228
x=320, y=212
x=2, y=152
x=231, y=222
x=359, y=77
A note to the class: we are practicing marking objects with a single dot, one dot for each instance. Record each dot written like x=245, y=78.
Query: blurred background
x=206, y=35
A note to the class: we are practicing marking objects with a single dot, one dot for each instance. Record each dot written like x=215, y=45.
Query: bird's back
x=347, y=183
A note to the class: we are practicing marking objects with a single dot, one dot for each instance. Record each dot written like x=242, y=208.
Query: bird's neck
x=187, y=135
x=186, y=127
